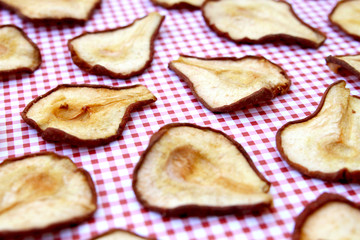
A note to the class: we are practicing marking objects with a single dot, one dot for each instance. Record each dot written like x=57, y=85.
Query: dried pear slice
x=119, y=53
x=17, y=52
x=85, y=115
x=259, y=21
x=58, y=10
x=346, y=16
x=330, y=217
x=41, y=192
x=119, y=234
x=326, y=144
x=179, y=3
x=196, y=171
x=229, y=84
x=350, y=63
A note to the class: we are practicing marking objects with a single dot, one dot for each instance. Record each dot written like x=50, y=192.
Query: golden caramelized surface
x=224, y=82
x=195, y=3
x=16, y=51
x=333, y=221
x=39, y=191
x=329, y=141
x=347, y=16
x=122, y=51
x=188, y=165
x=54, y=9
x=255, y=19
x=119, y=235
x=87, y=112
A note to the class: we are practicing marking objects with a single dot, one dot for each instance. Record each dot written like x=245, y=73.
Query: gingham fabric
x=111, y=166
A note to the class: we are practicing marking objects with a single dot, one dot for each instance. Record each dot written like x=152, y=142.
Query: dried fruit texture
x=350, y=63
x=179, y=3
x=330, y=217
x=228, y=84
x=326, y=145
x=37, y=10
x=192, y=170
x=346, y=15
x=41, y=192
x=119, y=53
x=119, y=234
x=259, y=21
x=17, y=52
x=85, y=115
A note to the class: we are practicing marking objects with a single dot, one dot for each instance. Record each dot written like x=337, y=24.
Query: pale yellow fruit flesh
x=196, y=3
x=347, y=15
x=16, y=51
x=224, y=82
x=119, y=235
x=40, y=191
x=353, y=61
x=122, y=51
x=329, y=141
x=54, y=9
x=86, y=112
x=333, y=221
x=254, y=19
x=193, y=166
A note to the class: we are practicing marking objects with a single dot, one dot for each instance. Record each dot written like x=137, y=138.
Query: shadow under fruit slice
x=330, y=217
x=326, y=144
x=43, y=191
x=189, y=170
x=229, y=84
x=350, y=63
x=346, y=16
x=179, y=3
x=85, y=115
x=38, y=10
x=119, y=53
x=17, y=52
x=120, y=234
x=259, y=21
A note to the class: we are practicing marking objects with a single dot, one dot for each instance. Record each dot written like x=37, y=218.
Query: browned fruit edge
x=263, y=94
x=269, y=38
x=122, y=230
x=56, y=226
x=178, y=5
x=356, y=37
x=343, y=64
x=23, y=69
x=316, y=205
x=101, y=70
x=193, y=209
x=57, y=135
x=343, y=175
x=51, y=20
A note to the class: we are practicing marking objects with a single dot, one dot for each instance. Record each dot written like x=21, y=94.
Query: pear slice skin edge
x=120, y=234
x=339, y=4
x=270, y=38
x=178, y=5
x=311, y=209
x=66, y=19
x=344, y=174
x=98, y=69
x=336, y=64
x=63, y=224
x=36, y=50
x=57, y=135
x=196, y=209
x=261, y=95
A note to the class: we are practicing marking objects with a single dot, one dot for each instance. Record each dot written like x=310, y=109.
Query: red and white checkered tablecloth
x=111, y=166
